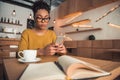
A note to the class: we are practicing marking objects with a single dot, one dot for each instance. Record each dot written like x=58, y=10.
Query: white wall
x=107, y=32
x=21, y=14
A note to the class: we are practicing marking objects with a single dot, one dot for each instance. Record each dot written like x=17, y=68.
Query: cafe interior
x=91, y=30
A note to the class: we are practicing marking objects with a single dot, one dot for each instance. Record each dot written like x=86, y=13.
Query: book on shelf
x=65, y=68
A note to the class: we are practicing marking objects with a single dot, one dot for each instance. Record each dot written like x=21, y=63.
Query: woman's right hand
x=50, y=49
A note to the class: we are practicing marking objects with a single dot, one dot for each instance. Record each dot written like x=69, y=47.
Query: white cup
x=28, y=55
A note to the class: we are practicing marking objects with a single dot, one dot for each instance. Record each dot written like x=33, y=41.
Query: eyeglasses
x=43, y=19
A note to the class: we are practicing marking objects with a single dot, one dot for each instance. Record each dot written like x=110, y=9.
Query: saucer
x=36, y=60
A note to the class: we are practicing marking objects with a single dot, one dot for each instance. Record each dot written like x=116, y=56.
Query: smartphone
x=59, y=39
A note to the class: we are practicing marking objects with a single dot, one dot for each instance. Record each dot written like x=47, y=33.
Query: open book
x=65, y=68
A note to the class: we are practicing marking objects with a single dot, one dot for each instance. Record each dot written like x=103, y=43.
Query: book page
x=67, y=61
x=87, y=73
x=72, y=66
x=43, y=71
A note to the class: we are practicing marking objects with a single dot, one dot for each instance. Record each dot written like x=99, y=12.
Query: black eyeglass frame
x=43, y=19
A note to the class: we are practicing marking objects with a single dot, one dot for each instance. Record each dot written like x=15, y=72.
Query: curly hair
x=40, y=4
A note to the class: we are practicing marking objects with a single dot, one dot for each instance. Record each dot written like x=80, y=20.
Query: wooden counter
x=98, y=49
x=5, y=46
x=10, y=39
x=7, y=51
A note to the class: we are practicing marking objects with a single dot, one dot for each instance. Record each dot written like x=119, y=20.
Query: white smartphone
x=59, y=40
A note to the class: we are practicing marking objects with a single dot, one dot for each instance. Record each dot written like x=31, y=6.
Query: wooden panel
x=5, y=48
x=4, y=53
x=101, y=54
x=71, y=47
x=116, y=44
x=1, y=60
x=63, y=9
x=84, y=52
x=97, y=43
x=116, y=56
x=71, y=4
x=82, y=5
x=102, y=44
x=72, y=51
x=85, y=43
x=13, y=49
x=70, y=44
x=9, y=42
x=107, y=44
x=1, y=71
x=97, y=3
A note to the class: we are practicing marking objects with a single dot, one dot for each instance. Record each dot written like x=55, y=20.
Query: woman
x=39, y=38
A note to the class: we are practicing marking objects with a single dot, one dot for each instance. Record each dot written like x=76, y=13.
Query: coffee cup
x=28, y=55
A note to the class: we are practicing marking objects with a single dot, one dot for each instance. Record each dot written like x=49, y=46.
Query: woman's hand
x=50, y=49
x=61, y=49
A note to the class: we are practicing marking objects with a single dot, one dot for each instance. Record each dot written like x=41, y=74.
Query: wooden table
x=14, y=69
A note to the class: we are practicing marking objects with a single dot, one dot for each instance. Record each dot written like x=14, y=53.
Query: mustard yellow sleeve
x=23, y=45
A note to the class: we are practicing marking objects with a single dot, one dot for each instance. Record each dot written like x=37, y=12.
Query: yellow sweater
x=30, y=40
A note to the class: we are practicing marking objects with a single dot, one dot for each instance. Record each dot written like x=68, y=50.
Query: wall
x=21, y=14
x=107, y=32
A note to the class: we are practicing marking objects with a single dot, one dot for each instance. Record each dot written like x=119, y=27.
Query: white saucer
x=36, y=60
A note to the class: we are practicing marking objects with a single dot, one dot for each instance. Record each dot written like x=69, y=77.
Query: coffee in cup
x=28, y=55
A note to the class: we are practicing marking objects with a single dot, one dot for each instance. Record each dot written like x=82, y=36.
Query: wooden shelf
x=81, y=22
x=11, y=23
x=10, y=32
x=72, y=15
x=87, y=30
